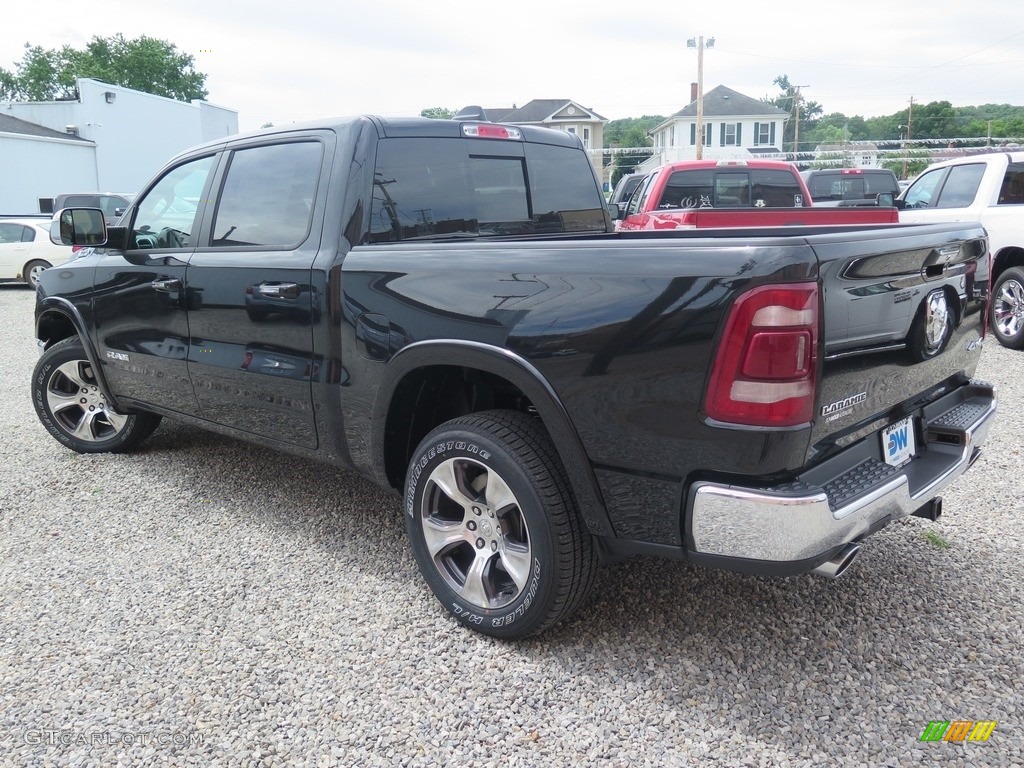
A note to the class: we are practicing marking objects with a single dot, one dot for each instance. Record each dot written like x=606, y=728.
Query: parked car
x=113, y=204
x=624, y=189
x=850, y=186
x=704, y=194
x=26, y=250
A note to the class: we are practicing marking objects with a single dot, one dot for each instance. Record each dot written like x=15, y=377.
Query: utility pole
x=910, y=117
x=796, y=126
x=700, y=45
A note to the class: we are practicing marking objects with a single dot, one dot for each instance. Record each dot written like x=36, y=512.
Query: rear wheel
x=1008, y=308
x=32, y=271
x=494, y=525
x=73, y=407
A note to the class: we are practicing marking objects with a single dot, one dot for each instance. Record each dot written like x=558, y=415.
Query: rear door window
x=961, y=186
x=267, y=196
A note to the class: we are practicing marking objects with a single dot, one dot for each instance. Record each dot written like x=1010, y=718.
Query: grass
x=936, y=540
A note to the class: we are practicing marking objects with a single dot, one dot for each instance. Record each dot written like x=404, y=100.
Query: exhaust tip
x=836, y=567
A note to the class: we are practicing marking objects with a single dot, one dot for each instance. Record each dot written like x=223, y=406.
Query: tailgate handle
x=934, y=270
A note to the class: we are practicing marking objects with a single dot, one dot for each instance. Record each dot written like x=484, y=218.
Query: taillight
x=765, y=371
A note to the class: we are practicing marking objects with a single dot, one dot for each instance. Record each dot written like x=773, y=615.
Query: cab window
x=166, y=216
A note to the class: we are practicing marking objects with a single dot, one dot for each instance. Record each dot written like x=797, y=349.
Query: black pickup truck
x=445, y=307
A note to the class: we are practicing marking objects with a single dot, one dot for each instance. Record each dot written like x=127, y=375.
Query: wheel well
x=1006, y=258
x=54, y=327
x=432, y=395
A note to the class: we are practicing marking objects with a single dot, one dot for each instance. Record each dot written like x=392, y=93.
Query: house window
x=764, y=134
x=732, y=134
x=693, y=134
x=707, y=135
x=586, y=137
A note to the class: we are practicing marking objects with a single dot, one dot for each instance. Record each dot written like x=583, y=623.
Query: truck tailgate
x=900, y=324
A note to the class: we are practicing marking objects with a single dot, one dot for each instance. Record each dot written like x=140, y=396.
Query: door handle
x=167, y=285
x=278, y=290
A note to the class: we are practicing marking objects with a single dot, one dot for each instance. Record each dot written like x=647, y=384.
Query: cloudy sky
x=297, y=60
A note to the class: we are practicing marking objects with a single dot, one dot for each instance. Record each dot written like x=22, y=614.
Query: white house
x=735, y=126
x=132, y=135
x=563, y=114
x=854, y=154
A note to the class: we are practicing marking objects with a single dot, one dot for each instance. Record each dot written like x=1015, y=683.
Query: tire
x=32, y=270
x=494, y=525
x=932, y=326
x=1008, y=308
x=73, y=408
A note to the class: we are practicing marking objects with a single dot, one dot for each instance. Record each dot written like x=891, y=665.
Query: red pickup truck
x=696, y=194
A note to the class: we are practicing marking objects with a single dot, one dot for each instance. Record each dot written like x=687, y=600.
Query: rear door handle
x=278, y=290
x=168, y=285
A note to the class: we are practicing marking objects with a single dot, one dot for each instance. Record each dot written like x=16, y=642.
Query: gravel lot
x=207, y=603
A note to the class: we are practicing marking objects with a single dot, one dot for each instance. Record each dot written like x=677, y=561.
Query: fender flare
x=524, y=375
x=51, y=305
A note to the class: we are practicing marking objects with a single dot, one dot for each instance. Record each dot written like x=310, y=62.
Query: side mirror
x=79, y=226
x=885, y=199
x=617, y=211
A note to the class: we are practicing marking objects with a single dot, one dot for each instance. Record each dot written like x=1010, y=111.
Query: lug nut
x=476, y=510
x=494, y=546
x=480, y=543
x=471, y=525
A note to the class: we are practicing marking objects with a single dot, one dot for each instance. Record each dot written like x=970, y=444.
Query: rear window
x=427, y=188
x=850, y=186
x=710, y=188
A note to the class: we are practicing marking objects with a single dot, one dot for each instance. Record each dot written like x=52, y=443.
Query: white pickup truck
x=988, y=189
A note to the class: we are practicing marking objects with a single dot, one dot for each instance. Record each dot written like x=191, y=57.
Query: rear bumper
x=797, y=526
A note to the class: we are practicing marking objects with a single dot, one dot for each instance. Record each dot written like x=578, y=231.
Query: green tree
x=438, y=113
x=143, y=64
x=629, y=133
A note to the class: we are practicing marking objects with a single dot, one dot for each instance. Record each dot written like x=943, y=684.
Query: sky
x=299, y=60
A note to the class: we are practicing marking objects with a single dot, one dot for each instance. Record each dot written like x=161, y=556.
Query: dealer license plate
x=898, y=444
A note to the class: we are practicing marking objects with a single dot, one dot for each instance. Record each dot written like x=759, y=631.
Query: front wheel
x=73, y=408
x=494, y=525
x=1008, y=308
x=32, y=271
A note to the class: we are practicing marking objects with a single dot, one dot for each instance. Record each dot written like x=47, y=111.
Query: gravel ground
x=207, y=603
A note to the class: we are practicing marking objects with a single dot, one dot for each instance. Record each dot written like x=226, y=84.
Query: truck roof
x=394, y=127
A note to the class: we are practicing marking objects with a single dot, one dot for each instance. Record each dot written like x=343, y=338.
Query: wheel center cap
x=485, y=528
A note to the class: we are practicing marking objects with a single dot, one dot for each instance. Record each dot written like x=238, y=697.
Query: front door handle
x=167, y=285
x=278, y=290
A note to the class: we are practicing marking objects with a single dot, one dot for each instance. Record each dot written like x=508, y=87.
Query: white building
x=735, y=127
x=131, y=135
x=855, y=154
x=36, y=160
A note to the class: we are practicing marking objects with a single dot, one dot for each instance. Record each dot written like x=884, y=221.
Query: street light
x=700, y=45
